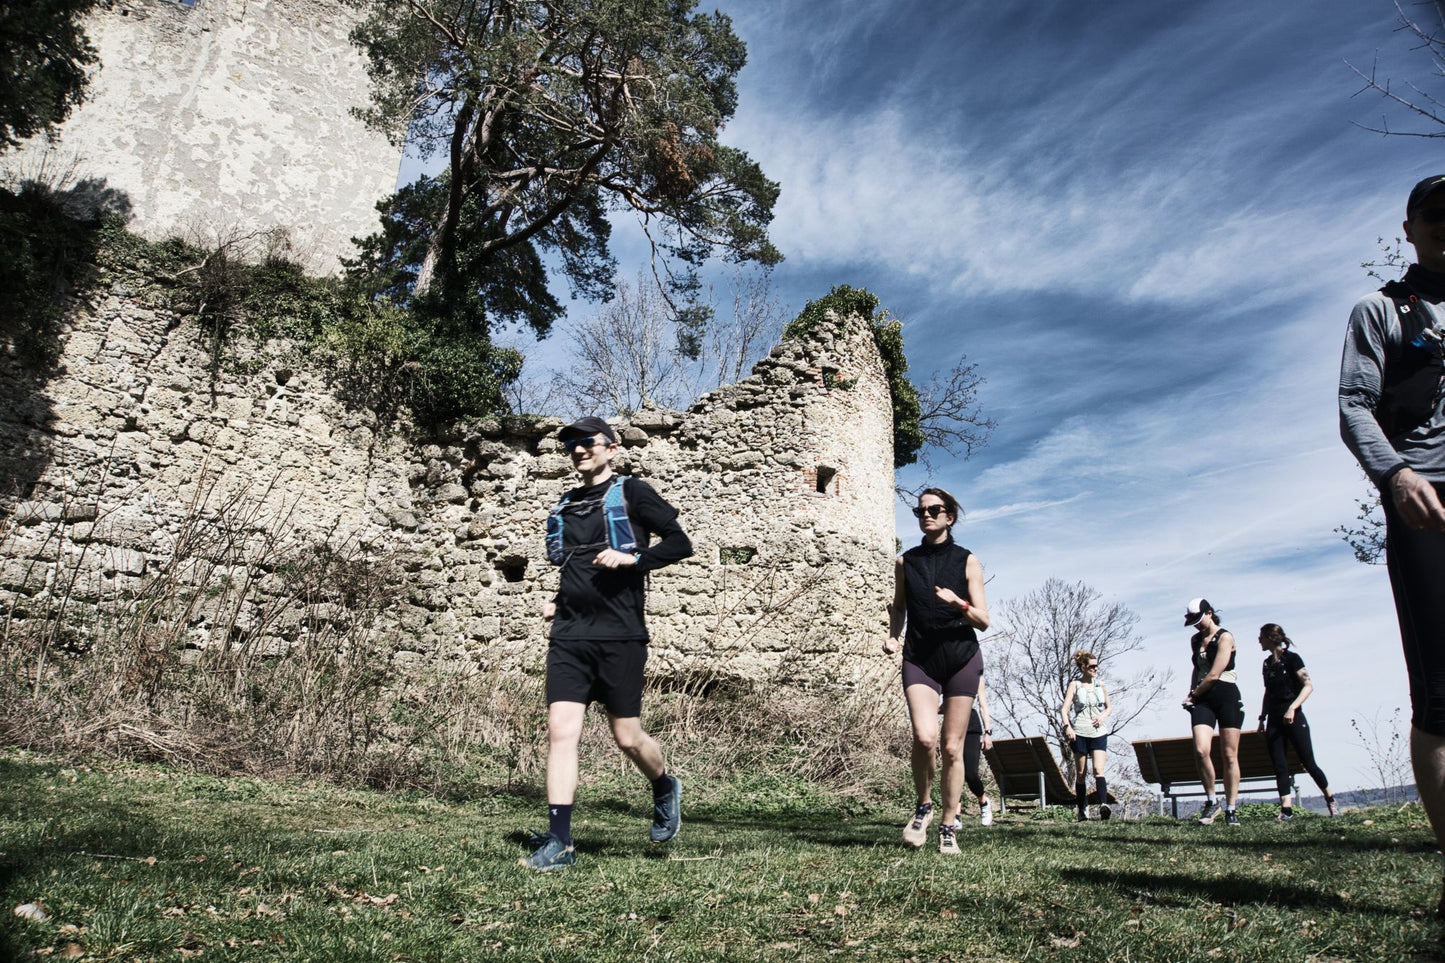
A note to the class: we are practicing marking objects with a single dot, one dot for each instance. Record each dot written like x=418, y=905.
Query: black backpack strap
x=1413, y=366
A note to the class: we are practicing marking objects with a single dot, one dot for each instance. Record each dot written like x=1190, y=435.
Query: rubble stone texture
x=220, y=118
x=133, y=477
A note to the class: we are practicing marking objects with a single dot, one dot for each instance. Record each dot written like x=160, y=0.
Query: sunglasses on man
x=932, y=511
x=591, y=441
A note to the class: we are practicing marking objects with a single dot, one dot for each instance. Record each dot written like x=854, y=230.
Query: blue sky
x=1145, y=223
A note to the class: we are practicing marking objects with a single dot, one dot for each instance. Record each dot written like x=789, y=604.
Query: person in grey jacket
x=1392, y=420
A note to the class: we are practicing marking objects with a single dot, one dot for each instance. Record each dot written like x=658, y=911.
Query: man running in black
x=1392, y=418
x=599, y=536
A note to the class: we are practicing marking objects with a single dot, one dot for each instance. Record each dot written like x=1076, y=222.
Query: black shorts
x=1087, y=744
x=964, y=682
x=1222, y=704
x=607, y=672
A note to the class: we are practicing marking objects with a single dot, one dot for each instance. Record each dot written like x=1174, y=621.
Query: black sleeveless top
x=939, y=639
x=1204, y=657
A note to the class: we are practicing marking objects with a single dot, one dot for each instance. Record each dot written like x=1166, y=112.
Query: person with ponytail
x=1286, y=687
x=1085, y=712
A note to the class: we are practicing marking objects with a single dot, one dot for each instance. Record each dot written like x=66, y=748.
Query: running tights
x=1297, y=733
x=972, y=744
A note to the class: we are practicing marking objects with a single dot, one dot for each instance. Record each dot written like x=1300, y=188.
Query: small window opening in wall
x=513, y=568
x=826, y=474
x=741, y=555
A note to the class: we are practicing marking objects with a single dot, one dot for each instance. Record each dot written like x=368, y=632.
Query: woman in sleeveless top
x=1281, y=715
x=1214, y=698
x=938, y=593
x=1085, y=714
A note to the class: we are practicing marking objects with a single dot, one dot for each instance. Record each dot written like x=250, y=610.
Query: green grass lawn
x=142, y=863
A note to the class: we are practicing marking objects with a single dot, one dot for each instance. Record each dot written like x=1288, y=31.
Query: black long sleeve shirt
x=603, y=604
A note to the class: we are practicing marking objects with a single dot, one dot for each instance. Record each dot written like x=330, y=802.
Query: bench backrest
x=1169, y=761
x=1016, y=764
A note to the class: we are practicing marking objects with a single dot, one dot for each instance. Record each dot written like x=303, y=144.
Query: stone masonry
x=217, y=118
x=118, y=464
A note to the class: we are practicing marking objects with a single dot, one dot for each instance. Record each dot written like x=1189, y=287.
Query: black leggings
x=1276, y=732
x=972, y=744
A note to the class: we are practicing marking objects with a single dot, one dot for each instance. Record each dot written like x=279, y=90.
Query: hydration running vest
x=1413, y=367
x=614, y=520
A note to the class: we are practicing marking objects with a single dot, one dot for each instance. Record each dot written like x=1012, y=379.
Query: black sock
x=1079, y=792
x=661, y=786
x=559, y=818
x=1286, y=810
x=1101, y=786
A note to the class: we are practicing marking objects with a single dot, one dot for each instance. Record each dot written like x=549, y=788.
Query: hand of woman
x=891, y=646
x=1289, y=717
x=951, y=597
x=549, y=611
x=987, y=741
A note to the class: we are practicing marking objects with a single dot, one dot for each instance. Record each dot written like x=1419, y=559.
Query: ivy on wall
x=843, y=301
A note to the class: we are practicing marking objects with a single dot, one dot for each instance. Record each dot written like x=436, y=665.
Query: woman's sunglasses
x=932, y=511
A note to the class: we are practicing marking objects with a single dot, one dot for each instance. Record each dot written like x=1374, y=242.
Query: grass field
x=143, y=863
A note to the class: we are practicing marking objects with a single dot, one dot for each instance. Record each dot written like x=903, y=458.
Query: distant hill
x=1355, y=798
x=1394, y=795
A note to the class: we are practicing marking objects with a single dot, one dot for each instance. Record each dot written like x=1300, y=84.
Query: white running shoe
x=985, y=815
x=916, y=832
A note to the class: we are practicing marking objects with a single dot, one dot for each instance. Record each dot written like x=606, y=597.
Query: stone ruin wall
x=130, y=452
x=222, y=117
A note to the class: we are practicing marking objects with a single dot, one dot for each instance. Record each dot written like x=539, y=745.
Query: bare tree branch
x=1041, y=633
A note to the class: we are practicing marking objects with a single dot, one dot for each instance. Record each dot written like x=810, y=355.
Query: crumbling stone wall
x=134, y=453
x=222, y=117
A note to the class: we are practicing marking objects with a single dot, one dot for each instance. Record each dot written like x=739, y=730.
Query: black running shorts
x=964, y=682
x=1220, y=703
x=607, y=672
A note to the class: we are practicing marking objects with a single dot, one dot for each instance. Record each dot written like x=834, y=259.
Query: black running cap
x=1421, y=191
x=583, y=427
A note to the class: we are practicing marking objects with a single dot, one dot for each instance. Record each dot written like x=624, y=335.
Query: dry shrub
x=249, y=648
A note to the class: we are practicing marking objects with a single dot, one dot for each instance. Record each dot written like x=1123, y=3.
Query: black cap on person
x=591, y=425
x=1421, y=191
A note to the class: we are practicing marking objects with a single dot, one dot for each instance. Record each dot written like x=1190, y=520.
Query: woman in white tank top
x=1085, y=714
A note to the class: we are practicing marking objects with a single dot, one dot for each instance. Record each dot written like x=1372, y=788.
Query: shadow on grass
x=1223, y=838
x=1177, y=889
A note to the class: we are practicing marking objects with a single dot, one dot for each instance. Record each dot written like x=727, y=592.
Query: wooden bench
x=1170, y=763
x=1026, y=769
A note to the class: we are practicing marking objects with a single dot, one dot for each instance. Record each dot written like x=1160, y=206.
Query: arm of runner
x=897, y=609
x=659, y=518
x=1064, y=709
x=977, y=612
x=1304, y=693
x=1417, y=500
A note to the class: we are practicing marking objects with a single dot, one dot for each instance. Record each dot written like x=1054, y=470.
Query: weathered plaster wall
x=229, y=116
x=131, y=454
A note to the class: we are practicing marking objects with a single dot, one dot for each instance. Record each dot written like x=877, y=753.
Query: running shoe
x=1334, y=807
x=915, y=833
x=1207, y=814
x=1284, y=817
x=1105, y=812
x=958, y=822
x=947, y=840
x=551, y=853
x=667, y=813
x=1231, y=817
x=985, y=813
